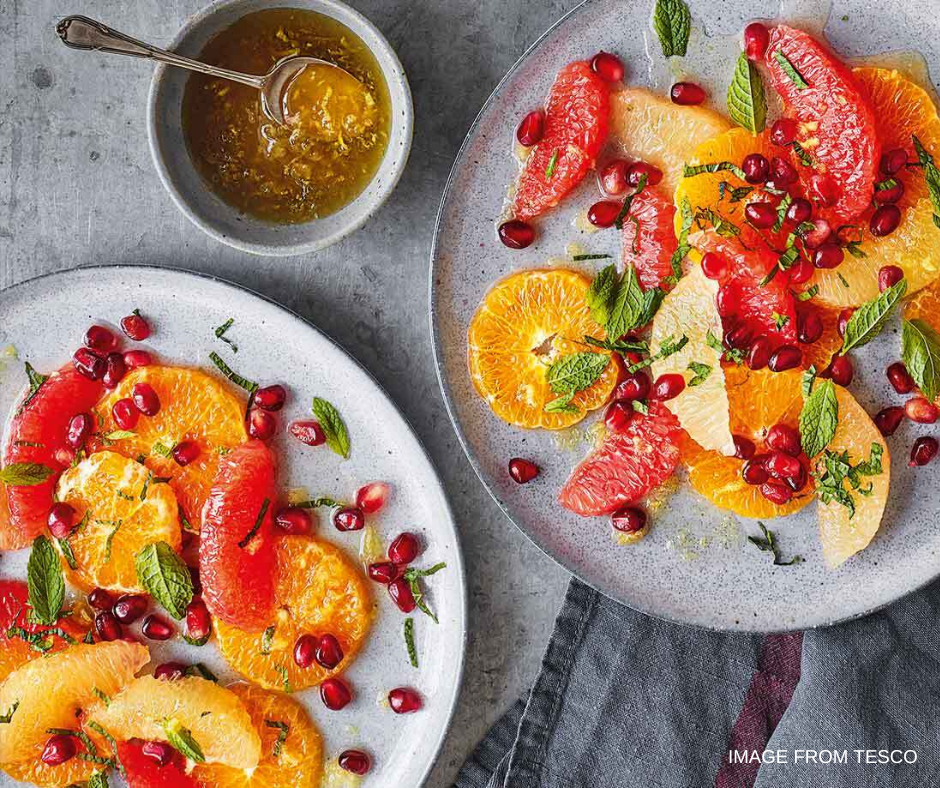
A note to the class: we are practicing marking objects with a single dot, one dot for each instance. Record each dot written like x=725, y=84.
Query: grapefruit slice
x=576, y=120
x=648, y=237
x=842, y=533
x=11, y=538
x=627, y=465
x=37, y=430
x=236, y=547
x=702, y=409
x=144, y=772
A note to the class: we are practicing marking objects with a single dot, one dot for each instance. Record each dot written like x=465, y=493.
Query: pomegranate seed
x=892, y=194
x=628, y=519
x=844, y=316
x=783, y=438
x=640, y=168
x=80, y=427
x=531, y=129
x=785, y=357
x=261, y=424
x=714, y=266
x=404, y=700
x=900, y=378
x=308, y=432
x=271, y=397
x=618, y=416
x=759, y=354
x=923, y=451
x=335, y=694
x=756, y=168
x=65, y=456
x=156, y=628
x=107, y=626
x=198, y=622
x=129, y=607
x=100, y=599
x=372, y=497
x=355, y=761
x=819, y=235
x=801, y=272
x=841, y=370
x=516, y=234
x=783, y=172
x=404, y=549
x=194, y=573
x=136, y=327
x=889, y=419
x=889, y=276
x=727, y=300
x=782, y=465
x=743, y=447
x=137, y=358
x=100, y=339
x=114, y=370
x=754, y=471
x=756, y=38
x=401, y=595
x=810, y=327
x=828, y=255
x=159, y=751
x=88, y=363
x=186, y=452
x=604, y=213
x=761, y=215
x=125, y=413
x=783, y=132
x=614, y=177
x=738, y=337
x=798, y=481
x=921, y=410
x=885, y=220
x=328, y=652
x=522, y=471
x=384, y=572
x=59, y=749
x=294, y=520
x=636, y=385
x=168, y=671
x=668, y=386
x=61, y=520
x=799, y=211
x=776, y=492
x=687, y=94
x=349, y=518
x=823, y=190
x=305, y=650
x=607, y=66
x=893, y=161
x=146, y=399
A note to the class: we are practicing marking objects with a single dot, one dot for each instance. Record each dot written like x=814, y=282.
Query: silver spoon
x=80, y=32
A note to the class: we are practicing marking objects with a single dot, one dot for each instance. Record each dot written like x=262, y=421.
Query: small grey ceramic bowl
x=220, y=220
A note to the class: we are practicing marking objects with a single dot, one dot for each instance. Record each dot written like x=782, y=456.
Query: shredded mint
x=413, y=578
x=283, y=730
x=931, y=177
x=790, y=70
x=242, y=382
x=700, y=373
x=220, y=333
x=834, y=470
x=410, y=642
x=768, y=544
x=35, y=383
x=689, y=171
x=258, y=521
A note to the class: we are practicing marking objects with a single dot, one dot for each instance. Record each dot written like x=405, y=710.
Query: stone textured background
x=77, y=187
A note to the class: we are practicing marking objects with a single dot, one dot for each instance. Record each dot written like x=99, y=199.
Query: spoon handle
x=80, y=32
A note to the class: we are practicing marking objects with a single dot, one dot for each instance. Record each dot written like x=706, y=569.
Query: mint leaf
x=920, y=352
x=627, y=307
x=44, y=581
x=333, y=426
x=747, y=104
x=700, y=373
x=819, y=418
x=576, y=372
x=689, y=171
x=600, y=295
x=790, y=70
x=25, y=474
x=181, y=739
x=672, y=23
x=809, y=380
x=931, y=177
x=562, y=404
x=165, y=577
x=869, y=319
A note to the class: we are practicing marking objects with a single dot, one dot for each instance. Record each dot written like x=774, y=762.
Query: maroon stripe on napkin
x=767, y=698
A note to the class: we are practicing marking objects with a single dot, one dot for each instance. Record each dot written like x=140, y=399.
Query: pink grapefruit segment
x=648, y=237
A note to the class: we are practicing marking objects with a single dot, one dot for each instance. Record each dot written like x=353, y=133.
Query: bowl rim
x=404, y=116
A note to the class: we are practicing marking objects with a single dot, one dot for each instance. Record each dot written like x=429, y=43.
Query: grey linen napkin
x=625, y=700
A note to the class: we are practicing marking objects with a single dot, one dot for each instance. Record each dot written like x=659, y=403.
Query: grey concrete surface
x=77, y=188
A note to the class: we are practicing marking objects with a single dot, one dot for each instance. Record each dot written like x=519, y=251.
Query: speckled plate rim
x=449, y=403
x=458, y=559
x=402, y=154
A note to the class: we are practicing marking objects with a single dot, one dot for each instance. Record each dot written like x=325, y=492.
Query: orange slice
x=194, y=406
x=295, y=762
x=758, y=400
x=525, y=323
x=319, y=590
x=121, y=509
x=72, y=772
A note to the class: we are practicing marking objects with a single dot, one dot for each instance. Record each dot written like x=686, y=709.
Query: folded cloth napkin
x=625, y=700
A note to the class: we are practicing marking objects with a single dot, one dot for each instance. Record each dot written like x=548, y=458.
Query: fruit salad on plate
x=765, y=238
x=148, y=497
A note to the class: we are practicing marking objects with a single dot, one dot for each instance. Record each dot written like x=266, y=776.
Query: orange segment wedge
x=319, y=590
x=35, y=772
x=120, y=510
x=194, y=406
x=758, y=400
x=926, y=306
x=525, y=323
x=298, y=760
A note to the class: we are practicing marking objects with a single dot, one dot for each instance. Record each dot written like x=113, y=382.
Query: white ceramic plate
x=45, y=319
x=695, y=566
